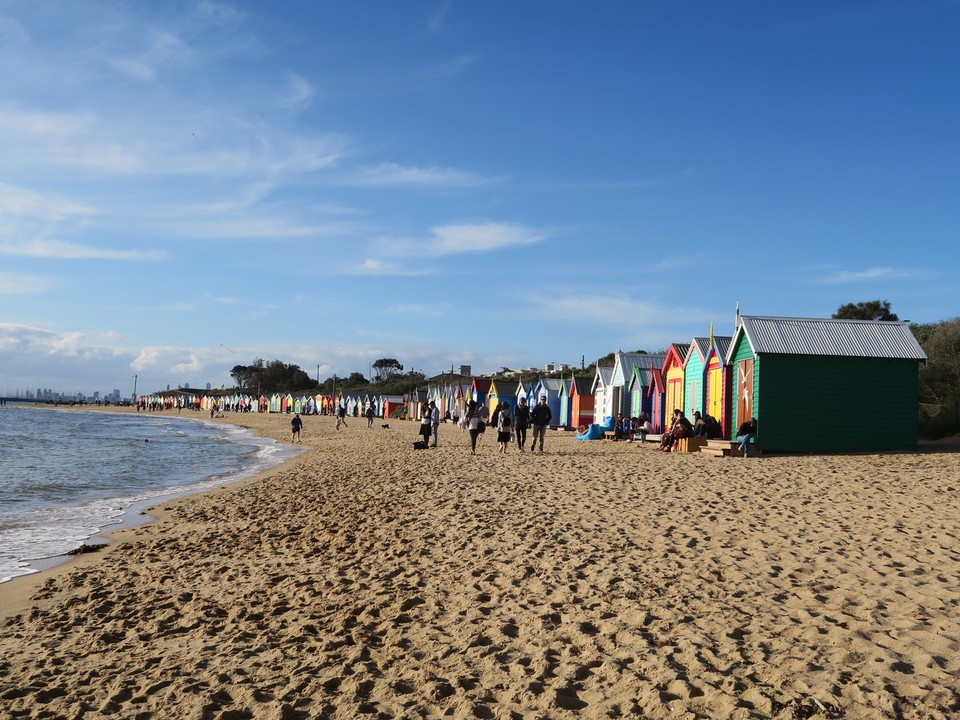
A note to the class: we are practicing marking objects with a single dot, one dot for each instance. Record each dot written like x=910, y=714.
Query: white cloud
x=375, y=266
x=20, y=201
x=392, y=175
x=298, y=91
x=73, y=251
x=481, y=237
x=11, y=284
x=43, y=124
x=32, y=341
x=220, y=14
x=446, y=240
x=841, y=277
x=620, y=310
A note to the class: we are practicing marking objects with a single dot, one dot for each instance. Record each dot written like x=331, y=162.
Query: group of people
x=512, y=424
x=704, y=426
x=627, y=428
x=430, y=423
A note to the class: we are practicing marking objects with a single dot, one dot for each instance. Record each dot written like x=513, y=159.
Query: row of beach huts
x=814, y=385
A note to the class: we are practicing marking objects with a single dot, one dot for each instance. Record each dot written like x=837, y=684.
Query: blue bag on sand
x=594, y=432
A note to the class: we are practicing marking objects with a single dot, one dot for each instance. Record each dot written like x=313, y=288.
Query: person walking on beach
x=369, y=414
x=504, y=420
x=475, y=423
x=521, y=419
x=541, y=416
x=295, y=425
x=341, y=416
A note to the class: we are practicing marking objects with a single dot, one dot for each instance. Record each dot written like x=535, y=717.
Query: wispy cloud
x=455, y=66
x=437, y=19
x=18, y=201
x=448, y=240
x=72, y=251
x=617, y=310
x=36, y=123
x=377, y=266
x=297, y=92
x=15, y=284
x=438, y=310
x=845, y=277
x=481, y=237
x=392, y=175
x=162, y=49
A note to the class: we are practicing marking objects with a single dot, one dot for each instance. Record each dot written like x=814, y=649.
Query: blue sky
x=185, y=186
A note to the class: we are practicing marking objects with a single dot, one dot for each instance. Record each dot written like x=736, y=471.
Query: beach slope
x=366, y=579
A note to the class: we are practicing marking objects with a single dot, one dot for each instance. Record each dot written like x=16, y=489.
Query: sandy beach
x=598, y=580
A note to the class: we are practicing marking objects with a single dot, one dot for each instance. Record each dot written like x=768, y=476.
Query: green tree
x=940, y=380
x=247, y=376
x=279, y=376
x=869, y=310
x=386, y=368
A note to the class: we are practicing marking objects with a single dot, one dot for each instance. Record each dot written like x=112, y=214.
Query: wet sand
x=366, y=579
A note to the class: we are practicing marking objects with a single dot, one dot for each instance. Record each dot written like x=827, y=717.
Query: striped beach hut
x=818, y=385
x=672, y=371
x=581, y=402
x=479, y=389
x=415, y=400
x=717, y=377
x=389, y=404
x=602, y=394
x=501, y=390
x=658, y=399
x=623, y=365
x=564, y=420
x=693, y=379
x=551, y=388
x=523, y=390
x=640, y=392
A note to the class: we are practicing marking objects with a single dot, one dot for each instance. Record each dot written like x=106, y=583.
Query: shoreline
x=596, y=580
x=16, y=592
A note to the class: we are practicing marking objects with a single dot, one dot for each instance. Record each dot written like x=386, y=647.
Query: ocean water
x=66, y=476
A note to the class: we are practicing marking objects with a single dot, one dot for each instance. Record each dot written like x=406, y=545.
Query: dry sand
x=365, y=579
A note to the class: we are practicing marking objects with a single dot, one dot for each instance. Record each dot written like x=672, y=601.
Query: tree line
x=263, y=377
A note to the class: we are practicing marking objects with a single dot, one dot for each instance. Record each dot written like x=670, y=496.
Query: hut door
x=744, y=390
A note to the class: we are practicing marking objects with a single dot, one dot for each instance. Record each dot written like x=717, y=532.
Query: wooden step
x=728, y=448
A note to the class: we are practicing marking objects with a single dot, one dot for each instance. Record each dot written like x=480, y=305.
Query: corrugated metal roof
x=583, y=385
x=626, y=362
x=848, y=338
x=681, y=349
x=723, y=344
x=551, y=384
x=701, y=346
x=603, y=377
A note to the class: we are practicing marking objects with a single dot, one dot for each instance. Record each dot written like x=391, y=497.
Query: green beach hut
x=826, y=386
